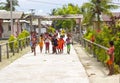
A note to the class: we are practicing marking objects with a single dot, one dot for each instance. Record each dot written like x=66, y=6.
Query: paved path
x=45, y=68
x=96, y=71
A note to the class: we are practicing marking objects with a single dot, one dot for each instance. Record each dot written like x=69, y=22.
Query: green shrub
x=88, y=35
x=51, y=30
x=23, y=35
x=11, y=42
x=116, y=69
x=103, y=38
x=117, y=52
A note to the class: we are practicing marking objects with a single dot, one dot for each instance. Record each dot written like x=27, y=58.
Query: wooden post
x=18, y=47
x=0, y=54
x=7, y=51
x=31, y=23
x=80, y=30
x=13, y=48
x=39, y=26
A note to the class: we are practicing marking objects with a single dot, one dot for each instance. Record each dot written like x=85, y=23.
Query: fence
x=7, y=51
x=95, y=49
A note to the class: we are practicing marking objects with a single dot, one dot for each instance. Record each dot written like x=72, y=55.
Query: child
x=60, y=44
x=55, y=44
x=68, y=42
x=34, y=42
x=110, y=62
x=47, y=43
x=41, y=42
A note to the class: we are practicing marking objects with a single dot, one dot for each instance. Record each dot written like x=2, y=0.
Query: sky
x=43, y=7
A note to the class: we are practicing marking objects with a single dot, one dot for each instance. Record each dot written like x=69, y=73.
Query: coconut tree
x=6, y=5
x=93, y=9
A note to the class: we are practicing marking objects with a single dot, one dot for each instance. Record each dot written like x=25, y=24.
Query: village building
x=18, y=23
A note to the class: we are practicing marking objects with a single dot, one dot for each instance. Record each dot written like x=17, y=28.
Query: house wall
x=25, y=26
x=18, y=27
x=6, y=32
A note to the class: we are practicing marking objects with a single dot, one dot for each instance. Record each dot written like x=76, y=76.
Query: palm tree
x=6, y=5
x=93, y=9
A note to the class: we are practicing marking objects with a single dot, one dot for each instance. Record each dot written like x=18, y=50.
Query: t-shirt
x=111, y=53
x=47, y=39
x=68, y=41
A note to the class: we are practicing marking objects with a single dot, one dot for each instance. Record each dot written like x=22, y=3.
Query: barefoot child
x=41, y=42
x=110, y=62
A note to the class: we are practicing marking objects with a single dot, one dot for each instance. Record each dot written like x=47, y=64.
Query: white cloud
x=40, y=12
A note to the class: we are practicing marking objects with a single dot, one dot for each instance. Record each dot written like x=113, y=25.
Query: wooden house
x=18, y=24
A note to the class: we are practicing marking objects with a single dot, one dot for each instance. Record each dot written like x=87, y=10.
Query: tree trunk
x=98, y=22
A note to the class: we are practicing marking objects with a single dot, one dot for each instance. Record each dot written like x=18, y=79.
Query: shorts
x=109, y=62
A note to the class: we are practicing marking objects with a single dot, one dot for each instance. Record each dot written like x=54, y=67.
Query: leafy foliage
x=89, y=33
x=6, y=5
x=103, y=38
x=14, y=43
x=117, y=50
x=11, y=40
x=93, y=9
x=51, y=30
x=22, y=35
x=66, y=10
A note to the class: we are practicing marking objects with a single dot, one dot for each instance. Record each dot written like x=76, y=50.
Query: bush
x=11, y=41
x=103, y=38
x=23, y=35
x=51, y=30
x=116, y=69
x=117, y=52
x=89, y=34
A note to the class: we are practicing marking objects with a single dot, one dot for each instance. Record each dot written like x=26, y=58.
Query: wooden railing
x=6, y=52
x=91, y=47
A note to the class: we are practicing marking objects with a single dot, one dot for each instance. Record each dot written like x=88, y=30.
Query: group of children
x=58, y=43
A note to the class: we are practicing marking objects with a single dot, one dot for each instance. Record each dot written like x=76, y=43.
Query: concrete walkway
x=45, y=68
x=96, y=71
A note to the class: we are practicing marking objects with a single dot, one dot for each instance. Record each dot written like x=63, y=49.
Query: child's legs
x=68, y=48
x=41, y=48
x=47, y=46
x=34, y=49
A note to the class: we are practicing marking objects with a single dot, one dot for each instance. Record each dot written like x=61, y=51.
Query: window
x=9, y=27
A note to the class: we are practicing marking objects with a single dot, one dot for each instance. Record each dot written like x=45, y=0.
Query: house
x=109, y=20
x=5, y=23
x=18, y=26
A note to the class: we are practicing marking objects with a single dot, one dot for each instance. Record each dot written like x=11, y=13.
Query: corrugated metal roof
x=108, y=18
x=60, y=16
x=22, y=21
x=7, y=15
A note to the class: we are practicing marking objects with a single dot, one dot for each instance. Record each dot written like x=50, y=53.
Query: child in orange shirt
x=41, y=43
x=61, y=44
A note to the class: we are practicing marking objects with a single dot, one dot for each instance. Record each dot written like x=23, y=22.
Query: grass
x=5, y=62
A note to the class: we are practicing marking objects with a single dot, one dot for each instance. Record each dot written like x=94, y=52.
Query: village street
x=45, y=68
